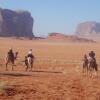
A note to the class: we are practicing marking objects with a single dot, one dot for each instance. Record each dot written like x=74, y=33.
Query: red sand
x=44, y=83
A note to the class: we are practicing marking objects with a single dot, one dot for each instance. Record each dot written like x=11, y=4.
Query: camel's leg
x=31, y=66
x=91, y=72
x=7, y=66
x=12, y=65
x=84, y=69
x=6, y=63
x=96, y=73
x=87, y=69
x=26, y=67
x=96, y=70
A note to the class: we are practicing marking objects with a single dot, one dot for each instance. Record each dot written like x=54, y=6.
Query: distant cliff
x=88, y=28
x=67, y=38
x=16, y=23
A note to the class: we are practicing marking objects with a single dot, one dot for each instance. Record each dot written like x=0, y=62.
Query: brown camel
x=11, y=59
x=92, y=66
x=89, y=65
x=85, y=64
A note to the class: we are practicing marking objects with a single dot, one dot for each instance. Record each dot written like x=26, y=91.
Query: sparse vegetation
x=2, y=85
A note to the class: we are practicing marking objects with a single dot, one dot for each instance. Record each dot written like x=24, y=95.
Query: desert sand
x=57, y=72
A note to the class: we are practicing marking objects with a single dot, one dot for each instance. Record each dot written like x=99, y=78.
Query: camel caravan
x=11, y=57
x=89, y=64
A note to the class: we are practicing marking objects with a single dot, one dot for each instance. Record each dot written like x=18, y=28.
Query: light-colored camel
x=29, y=62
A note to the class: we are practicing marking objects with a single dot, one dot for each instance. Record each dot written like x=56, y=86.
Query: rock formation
x=88, y=28
x=16, y=23
x=67, y=38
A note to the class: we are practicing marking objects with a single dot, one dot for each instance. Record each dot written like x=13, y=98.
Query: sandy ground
x=56, y=75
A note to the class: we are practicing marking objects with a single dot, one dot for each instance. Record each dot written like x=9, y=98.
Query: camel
x=85, y=64
x=29, y=62
x=92, y=66
x=89, y=65
x=11, y=60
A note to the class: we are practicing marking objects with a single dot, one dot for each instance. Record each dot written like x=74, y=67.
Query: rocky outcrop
x=16, y=23
x=88, y=28
x=67, y=38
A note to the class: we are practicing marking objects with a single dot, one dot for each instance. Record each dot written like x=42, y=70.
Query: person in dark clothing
x=11, y=55
x=10, y=58
x=92, y=54
x=30, y=54
x=29, y=59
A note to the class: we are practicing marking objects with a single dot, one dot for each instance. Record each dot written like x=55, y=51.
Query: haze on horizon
x=56, y=15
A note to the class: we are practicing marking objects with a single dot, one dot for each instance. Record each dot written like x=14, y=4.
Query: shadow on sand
x=46, y=71
x=26, y=73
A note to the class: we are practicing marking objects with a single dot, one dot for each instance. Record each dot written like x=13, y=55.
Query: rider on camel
x=92, y=57
x=30, y=54
x=10, y=53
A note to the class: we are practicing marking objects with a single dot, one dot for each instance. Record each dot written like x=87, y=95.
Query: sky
x=60, y=16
